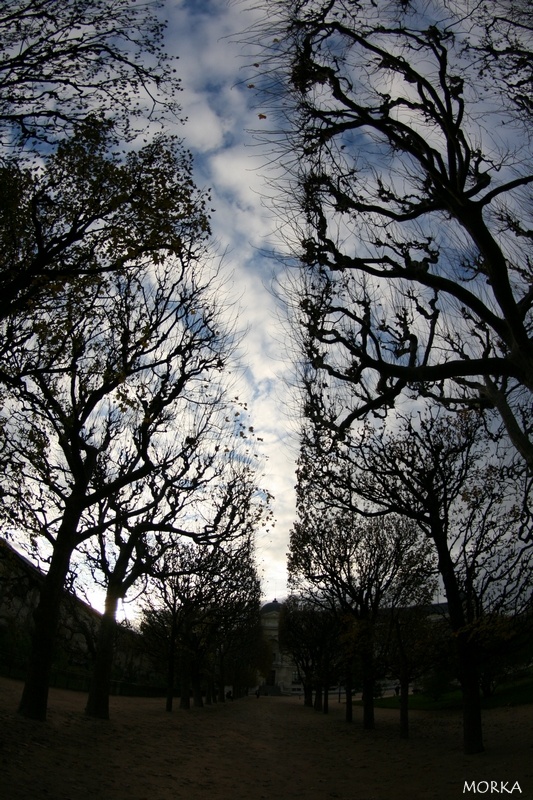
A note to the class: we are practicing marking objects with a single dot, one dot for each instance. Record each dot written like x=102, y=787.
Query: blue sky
x=221, y=113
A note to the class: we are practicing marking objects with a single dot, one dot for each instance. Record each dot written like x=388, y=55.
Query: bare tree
x=406, y=153
x=202, y=604
x=217, y=504
x=416, y=641
x=296, y=629
x=356, y=566
x=311, y=635
x=110, y=394
x=113, y=343
x=504, y=47
x=443, y=472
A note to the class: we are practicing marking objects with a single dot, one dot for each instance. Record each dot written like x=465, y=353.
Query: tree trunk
x=185, y=681
x=34, y=700
x=349, y=692
x=404, y=682
x=318, y=698
x=469, y=677
x=221, y=678
x=169, y=700
x=98, y=700
x=404, y=707
x=171, y=667
x=326, y=698
x=197, y=688
x=468, y=671
x=368, y=689
x=198, y=699
x=308, y=695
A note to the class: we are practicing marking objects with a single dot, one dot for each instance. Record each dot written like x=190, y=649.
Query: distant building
x=283, y=677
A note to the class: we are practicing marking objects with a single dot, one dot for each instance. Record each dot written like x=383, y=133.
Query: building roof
x=12, y=561
x=268, y=608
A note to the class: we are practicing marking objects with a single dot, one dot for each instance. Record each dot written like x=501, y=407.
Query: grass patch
x=517, y=693
x=424, y=702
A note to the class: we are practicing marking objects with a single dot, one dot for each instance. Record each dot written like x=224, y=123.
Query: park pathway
x=252, y=749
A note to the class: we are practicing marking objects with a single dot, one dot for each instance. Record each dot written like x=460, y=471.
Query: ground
x=252, y=749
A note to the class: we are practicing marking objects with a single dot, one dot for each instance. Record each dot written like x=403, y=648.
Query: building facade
x=20, y=586
x=283, y=677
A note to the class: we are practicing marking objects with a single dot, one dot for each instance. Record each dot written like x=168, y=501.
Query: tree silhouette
x=111, y=396
x=311, y=635
x=444, y=474
x=217, y=505
x=91, y=210
x=201, y=609
x=79, y=83
x=62, y=62
x=406, y=172
x=355, y=565
x=417, y=641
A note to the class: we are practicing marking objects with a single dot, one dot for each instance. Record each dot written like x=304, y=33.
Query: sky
x=221, y=112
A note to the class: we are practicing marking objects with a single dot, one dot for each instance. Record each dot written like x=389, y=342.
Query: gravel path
x=252, y=749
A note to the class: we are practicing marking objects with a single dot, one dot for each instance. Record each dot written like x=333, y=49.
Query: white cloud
x=220, y=114
x=204, y=130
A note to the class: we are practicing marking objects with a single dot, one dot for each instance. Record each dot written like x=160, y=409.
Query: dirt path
x=249, y=750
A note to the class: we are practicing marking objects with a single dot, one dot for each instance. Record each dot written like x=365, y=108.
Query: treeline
x=198, y=629
x=403, y=651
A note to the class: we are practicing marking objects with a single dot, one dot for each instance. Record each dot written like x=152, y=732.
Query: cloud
x=203, y=130
x=219, y=112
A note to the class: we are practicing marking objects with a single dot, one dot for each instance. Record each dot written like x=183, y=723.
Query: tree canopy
x=61, y=62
